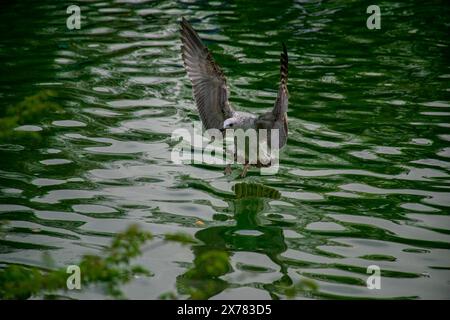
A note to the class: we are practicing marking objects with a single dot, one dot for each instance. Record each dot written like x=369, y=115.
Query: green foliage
x=180, y=237
x=211, y=264
x=30, y=110
x=202, y=281
x=168, y=296
x=19, y=282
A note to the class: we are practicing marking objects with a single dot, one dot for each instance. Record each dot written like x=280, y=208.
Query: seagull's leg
x=244, y=171
x=228, y=170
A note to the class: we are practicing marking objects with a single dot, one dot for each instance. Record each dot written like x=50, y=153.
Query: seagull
x=210, y=92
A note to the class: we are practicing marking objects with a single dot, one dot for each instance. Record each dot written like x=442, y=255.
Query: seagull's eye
x=231, y=125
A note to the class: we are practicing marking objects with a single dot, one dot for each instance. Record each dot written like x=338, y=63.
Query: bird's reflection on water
x=248, y=234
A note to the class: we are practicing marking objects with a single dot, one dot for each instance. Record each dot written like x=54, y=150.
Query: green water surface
x=86, y=118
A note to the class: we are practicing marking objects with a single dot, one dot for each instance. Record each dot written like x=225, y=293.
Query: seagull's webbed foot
x=228, y=170
x=244, y=171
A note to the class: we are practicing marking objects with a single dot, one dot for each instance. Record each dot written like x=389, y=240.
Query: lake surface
x=364, y=179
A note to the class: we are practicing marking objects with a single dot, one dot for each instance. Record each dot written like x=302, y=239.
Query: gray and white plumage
x=211, y=92
x=208, y=82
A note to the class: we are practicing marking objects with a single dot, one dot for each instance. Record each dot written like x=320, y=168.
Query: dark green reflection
x=219, y=242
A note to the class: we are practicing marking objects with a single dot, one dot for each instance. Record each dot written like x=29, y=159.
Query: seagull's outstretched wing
x=277, y=118
x=281, y=103
x=208, y=81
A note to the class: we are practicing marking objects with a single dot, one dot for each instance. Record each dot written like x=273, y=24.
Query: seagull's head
x=230, y=123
